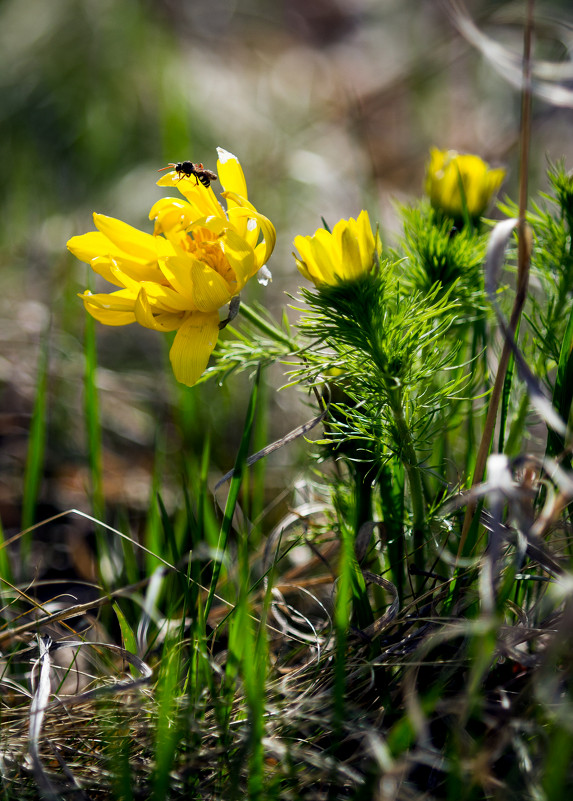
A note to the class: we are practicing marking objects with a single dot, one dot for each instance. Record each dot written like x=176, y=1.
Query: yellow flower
x=199, y=257
x=343, y=255
x=446, y=170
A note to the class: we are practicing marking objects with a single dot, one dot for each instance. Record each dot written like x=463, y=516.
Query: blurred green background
x=331, y=107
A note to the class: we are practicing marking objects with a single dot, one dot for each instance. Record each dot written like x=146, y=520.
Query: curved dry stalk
x=523, y=258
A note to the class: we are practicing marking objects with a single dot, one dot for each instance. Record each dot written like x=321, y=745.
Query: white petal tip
x=224, y=155
x=264, y=276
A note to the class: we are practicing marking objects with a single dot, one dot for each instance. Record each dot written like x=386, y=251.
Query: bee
x=189, y=168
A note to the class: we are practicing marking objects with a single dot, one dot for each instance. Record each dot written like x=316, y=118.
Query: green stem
x=363, y=491
x=410, y=462
x=565, y=279
x=267, y=328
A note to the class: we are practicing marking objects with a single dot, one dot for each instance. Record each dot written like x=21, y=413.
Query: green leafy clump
x=385, y=346
x=438, y=252
x=562, y=184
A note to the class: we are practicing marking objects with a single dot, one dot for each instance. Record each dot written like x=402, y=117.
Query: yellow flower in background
x=344, y=254
x=445, y=172
x=199, y=257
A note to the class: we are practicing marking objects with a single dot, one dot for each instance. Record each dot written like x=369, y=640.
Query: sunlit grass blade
x=130, y=562
x=207, y=525
x=556, y=781
x=93, y=426
x=342, y=617
x=234, y=490
x=255, y=675
x=391, y=484
x=199, y=674
x=363, y=616
x=36, y=444
x=118, y=745
x=461, y=576
x=168, y=731
x=505, y=400
x=258, y=471
x=153, y=537
x=168, y=530
x=129, y=640
x=5, y=566
x=563, y=391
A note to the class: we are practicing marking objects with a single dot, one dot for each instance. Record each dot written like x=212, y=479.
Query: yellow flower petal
x=123, y=279
x=137, y=270
x=216, y=225
x=194, y=342
x=97, y=245
x=124, y=300
x=301, y=266
x=160, y=322
x=171, y=214
x=494, y=180
x=328, y=253
x=237, y=203
x=351, y=254
x=449, y=174
x=176, y=270
x=91, y=245
x=241, y=257
x=113, y=309
x=367, y=242
x=165, y=298
x=127, y=238
x=102, y=266
x=344, y=254
x=109, y=317
x=263, y=250
x=204, y=198
x=210, y=290
x=231, y=173
x=316, y=259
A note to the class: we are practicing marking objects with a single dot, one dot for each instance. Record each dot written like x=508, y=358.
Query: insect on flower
x=197, y=260
x=189, y=168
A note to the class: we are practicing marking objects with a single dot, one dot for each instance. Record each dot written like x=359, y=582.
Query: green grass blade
x=153, y=538
x=168, y=530
x=363, y=616
x=130, y=561
x=207, y=524
x=556, y=781
x=505, y=398
x=258, y=471
x=391, y=485
x=514, y=438
x=563, y=391
x=234, y=490
x=342, y=615
x=168, y=731
x=127, y=635
x=6, y=573
x=254, y=672
x=93, y=426
x=36, y=444
x=118, y=745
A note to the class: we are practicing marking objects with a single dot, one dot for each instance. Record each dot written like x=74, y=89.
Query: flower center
x=205, y=246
